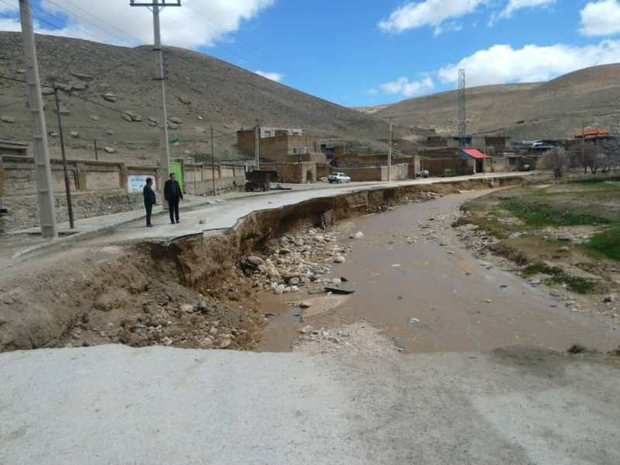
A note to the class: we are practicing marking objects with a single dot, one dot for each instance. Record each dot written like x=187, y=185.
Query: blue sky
x=362, y=52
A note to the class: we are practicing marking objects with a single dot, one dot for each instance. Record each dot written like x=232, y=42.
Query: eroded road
x=357, y=400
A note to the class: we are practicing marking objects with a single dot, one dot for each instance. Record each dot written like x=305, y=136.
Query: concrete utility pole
x=390, y=152
x=156, y=6
x=213, y=161
x=40, y=150
x=64, y=159
x=257, y=144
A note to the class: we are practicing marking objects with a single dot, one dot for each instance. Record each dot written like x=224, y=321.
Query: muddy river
x=415, y=280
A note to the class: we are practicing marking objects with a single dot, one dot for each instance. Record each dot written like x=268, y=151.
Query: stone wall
x=98, y=188
x=23, y=209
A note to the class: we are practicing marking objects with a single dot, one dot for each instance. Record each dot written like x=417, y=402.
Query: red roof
x=476, y=154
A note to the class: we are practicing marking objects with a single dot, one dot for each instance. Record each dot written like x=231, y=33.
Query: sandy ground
x=416, y=281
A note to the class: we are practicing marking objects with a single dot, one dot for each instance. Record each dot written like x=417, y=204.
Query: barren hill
x=553, y=109
x=202, y=90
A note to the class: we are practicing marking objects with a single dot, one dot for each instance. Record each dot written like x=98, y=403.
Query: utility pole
x=156, y=6
x=257, y=144
x=213, y=161
x=64, y=159
x=462, y=104
x=390, y=152
x=40, y=150
x=96, y=151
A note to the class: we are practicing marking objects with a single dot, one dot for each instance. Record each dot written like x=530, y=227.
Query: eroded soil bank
x=192, y=292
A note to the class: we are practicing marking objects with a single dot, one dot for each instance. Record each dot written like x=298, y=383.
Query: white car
x=339, y=178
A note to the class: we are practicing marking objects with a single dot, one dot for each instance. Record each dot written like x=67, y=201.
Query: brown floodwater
x=435, y=295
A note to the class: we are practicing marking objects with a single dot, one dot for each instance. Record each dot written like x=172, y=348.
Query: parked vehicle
x=339, y=178
x=260, y=180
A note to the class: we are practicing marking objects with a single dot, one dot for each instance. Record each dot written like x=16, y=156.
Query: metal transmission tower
x=462, y=123
x=40, y=150
x=156, y=6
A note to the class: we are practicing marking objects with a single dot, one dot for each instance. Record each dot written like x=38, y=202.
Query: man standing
x=173, y=195
x=149, y=200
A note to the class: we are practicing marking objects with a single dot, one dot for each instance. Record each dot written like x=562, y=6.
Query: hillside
x=553, y=109
x=201, y=91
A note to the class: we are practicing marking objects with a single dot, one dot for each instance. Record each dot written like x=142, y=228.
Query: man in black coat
x=149, y=200
x=173, y=195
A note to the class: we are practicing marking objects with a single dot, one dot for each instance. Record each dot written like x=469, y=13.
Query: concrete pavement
x=226, y=214
x=114, y=405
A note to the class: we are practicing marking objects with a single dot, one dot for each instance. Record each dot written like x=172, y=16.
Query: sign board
x=176, y=167
x=136, y=182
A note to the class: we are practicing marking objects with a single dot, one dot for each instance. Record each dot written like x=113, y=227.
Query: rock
x=306, y=329
x=357, y=235
x=339, y=259
x=47, y=91
x=257, y=261
x=187, y=308
x=207, y=342
x=609, y=299
x=175, y=120
x=52, y=134
x=109, y=132
x=78, y=86
x=184, y=100
x=131, y=116
x=74, y=134
x=224, y=343
x=294, y=281
x=339, y=290
x=109, y=97
x=213, y=331
x=488, y=301
x=7, y=119
x=108, y=149
x=305, y=304
x=414, y=321
x=94, y=117
x=82, y=76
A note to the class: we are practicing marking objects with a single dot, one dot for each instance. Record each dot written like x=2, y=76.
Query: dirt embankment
x=191, y=292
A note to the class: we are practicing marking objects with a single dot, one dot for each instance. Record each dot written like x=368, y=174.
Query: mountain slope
x=553, y=109
x=201, y=91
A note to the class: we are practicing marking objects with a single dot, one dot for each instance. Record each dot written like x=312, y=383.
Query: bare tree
x=555, y=160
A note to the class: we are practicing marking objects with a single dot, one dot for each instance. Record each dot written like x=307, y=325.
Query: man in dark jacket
x=149, y=200
x=173, y=195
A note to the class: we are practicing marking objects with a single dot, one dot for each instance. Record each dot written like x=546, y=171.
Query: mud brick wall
x=198, y=178
x=376, y=173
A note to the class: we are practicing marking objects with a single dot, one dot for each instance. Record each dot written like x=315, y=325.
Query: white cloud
x=515, y=5
x=196, y=23
x=501, y=64
x=9, y=24
x=8, y=8
x=406, y=88
x=434, y=13
x=601, y=18
x=273, y=76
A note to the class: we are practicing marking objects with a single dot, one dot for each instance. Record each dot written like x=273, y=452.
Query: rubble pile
x=296, y=261
x=476, y=239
